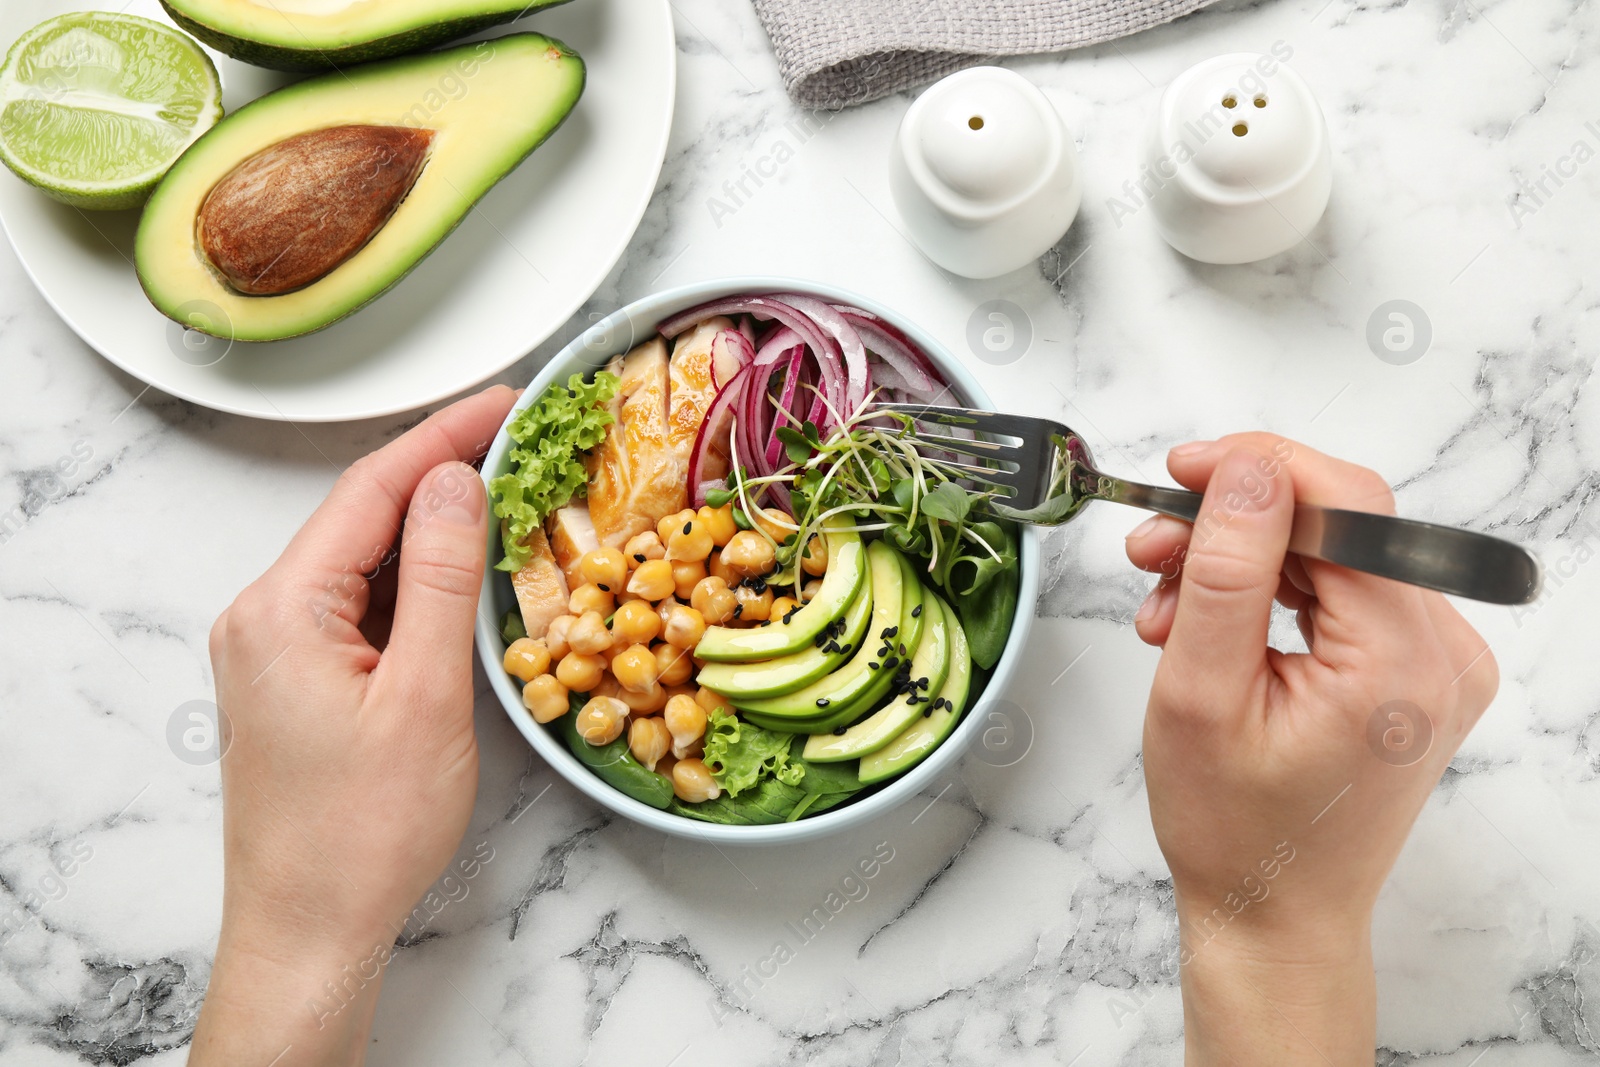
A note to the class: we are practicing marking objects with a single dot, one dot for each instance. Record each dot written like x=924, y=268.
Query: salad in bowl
x=730, y=598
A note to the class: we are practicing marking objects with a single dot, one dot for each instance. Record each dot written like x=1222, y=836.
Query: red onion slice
x=715, y=429
x=833, y=323
x=730, y=352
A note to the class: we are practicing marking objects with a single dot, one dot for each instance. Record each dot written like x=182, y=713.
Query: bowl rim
x=588, y=351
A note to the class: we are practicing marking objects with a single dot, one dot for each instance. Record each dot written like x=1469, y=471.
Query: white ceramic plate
x=535, y=248
x=590, y=350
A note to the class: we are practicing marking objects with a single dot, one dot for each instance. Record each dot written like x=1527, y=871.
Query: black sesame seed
x=902, y=650
x=823, y=702
x=639, y=557
x=893, y=631
x=602, y=588
x=873, y=665
x=688, y=527
x=916, y=612
x=926, y=712
x=840, y=731
x=738, y=609
x=844, y=650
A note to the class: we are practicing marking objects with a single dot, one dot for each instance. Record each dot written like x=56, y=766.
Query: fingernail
x=1145, y=528
x=453, y=494
x=1147, y=610
x=1192, y=448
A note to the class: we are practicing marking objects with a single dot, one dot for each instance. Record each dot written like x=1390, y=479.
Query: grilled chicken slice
x=635, y=477
x=693, y=390
x=571, y=535
x=541, y=588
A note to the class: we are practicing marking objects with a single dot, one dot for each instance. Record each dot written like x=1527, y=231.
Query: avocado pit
x=291, y=213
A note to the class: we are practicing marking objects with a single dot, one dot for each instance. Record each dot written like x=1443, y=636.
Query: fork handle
x=1460, y=562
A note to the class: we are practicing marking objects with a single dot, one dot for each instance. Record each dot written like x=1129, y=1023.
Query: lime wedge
x=95, y=106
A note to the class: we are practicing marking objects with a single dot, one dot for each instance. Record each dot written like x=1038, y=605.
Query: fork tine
x=965, y=447
x=970, y=418
x=969, y=472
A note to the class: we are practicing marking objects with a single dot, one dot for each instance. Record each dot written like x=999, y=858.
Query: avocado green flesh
x=848, y=681
x=844, y=713
x=517, y=90
x=316, y=35
x=847, y=570
x=772, y=678
x=913, y=744
x=930, y=661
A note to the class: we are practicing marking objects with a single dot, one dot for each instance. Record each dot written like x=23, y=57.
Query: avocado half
x=487, y=105
x=313, y=35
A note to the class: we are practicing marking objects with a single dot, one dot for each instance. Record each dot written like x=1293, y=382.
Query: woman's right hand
x=1282, y=786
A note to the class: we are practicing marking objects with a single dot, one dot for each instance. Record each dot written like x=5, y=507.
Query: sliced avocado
x=520, y=88
x=929, y=665
x=847, y=569
x=938, y=719
x=773, y=677
x=843, y=712
x=848, y=681
x=318, y=35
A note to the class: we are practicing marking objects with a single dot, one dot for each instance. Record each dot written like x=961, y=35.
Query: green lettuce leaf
x=742, y=754
x=552, y=436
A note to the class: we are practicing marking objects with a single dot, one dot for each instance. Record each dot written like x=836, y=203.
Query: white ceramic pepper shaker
x=984, y=172
x=1237, y=165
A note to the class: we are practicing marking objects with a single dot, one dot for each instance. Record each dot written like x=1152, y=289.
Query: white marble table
x=1025, y=915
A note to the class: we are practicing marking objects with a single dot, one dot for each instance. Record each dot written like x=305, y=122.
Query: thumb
x=1218, y=645
x=440, y=574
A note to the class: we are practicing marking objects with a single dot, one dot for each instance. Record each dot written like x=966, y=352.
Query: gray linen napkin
x=833, y=53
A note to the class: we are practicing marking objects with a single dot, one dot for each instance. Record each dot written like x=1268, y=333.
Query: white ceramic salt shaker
x=1237, y=165
x=984, y=172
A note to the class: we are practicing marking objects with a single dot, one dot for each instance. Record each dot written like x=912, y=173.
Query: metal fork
x=1055, y=476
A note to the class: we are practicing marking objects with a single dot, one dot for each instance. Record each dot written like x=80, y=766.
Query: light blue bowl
x=615, y=334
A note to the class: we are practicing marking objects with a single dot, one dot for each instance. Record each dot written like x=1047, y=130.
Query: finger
x=436, y=595
x=1218, y=642
x=1357, y=607
x=353, y=529
x=1158, y=545
x=1153, y=622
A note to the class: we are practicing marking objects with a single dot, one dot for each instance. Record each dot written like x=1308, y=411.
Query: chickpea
x=606, y=687
x=718, y=567
x=555, y=636
x=713, y=600
x=635, y=668
x=665, y=764
x=685, y=627
x=589, y=634
x=648, y=702
x=811, y=589
x=601, y=720
x=693, y=546
x=590, y=597
x=545, y=698
x=605, y=567
x=652, y=580
x=748, y=553
x=754, y=606
x=648, y=740
x=641, y=548
x=718, y=523
x=665, y=527
x=636, y=622
x=814, y=557
x=681, y=691
x=711, y=700
x=526, y=659
x=673, y=665
x=685, y=576
x=687, y=722
x=781, y=606
x=580, y=672
x=692, y=781
x=778, y=524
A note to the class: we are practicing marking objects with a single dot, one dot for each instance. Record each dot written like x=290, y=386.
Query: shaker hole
x=1261, y=101
x=976, y=121
x=1240, y=129
x=1230, y=101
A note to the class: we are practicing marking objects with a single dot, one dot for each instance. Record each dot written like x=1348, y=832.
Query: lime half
x=95, y=106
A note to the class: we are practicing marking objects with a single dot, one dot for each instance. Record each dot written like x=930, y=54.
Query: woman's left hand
x=345, y=676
